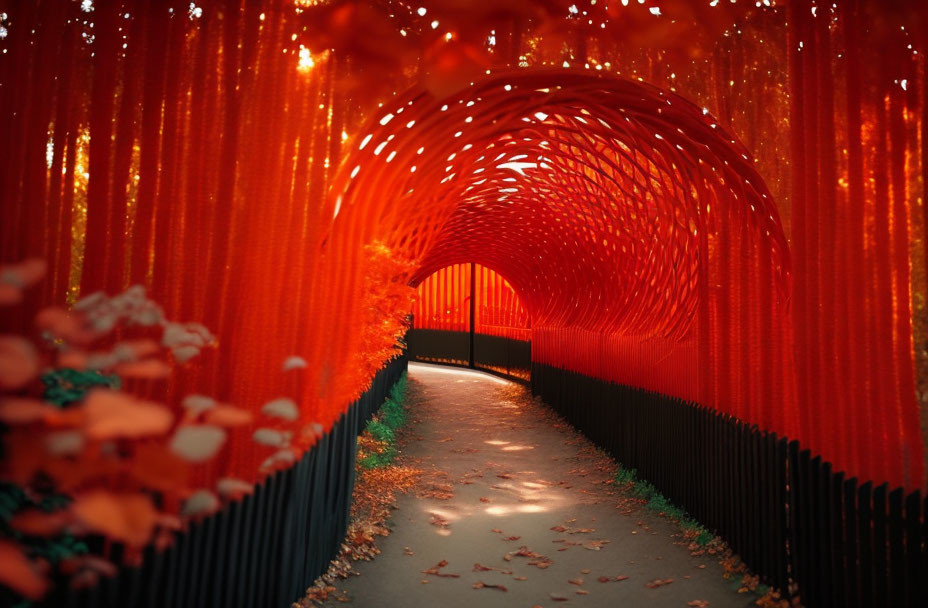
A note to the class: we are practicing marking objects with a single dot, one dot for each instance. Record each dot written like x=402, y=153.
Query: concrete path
x=508, y=489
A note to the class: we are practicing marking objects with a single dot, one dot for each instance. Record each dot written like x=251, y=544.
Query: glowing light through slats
x=597, y=207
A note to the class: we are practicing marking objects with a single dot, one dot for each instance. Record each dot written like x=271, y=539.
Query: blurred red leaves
x=155, y=466
x=35, y=522
x=111, y=414
x=19, y=573
x=19, y=362
x=129, y=518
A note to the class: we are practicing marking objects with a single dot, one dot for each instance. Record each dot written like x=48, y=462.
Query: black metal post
x=473, y=310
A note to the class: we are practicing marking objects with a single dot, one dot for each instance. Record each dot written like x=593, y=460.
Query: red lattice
x=634, y=228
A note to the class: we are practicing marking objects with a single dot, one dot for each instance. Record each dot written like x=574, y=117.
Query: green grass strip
x=383, y=426
x=657, y=502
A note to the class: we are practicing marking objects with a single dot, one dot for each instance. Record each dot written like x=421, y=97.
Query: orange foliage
x=18, y=573
x=35, y=522
x=386, y=302
x=19, y=362
x=111, y=414
x=129, y=518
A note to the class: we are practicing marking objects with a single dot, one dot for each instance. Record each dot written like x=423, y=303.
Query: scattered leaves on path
x=595, y=545
x=438, y=520
x=481, y=568
x=573, y=530
x=658, y=583
x=482, y=585
x=538, y=560
x=435, y=570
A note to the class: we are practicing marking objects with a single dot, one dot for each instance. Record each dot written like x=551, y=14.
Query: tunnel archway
x=635, y=228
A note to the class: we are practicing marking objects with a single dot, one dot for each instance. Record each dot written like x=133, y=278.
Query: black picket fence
x=264, y=550
x=785, y=512
x=504, y=356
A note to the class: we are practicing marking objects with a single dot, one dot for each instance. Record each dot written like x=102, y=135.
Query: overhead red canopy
x=628, y=220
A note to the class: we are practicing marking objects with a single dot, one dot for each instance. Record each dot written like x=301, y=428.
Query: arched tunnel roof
x=591, y=194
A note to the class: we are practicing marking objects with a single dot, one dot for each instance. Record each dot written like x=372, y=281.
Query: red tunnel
x=706, y=231
x=631, y=225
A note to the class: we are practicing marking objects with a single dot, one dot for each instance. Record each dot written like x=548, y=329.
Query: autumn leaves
x=86, y=449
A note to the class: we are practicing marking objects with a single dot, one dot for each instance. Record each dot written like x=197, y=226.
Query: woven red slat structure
x=196, y=154
x=597, y=198
x=633, y=226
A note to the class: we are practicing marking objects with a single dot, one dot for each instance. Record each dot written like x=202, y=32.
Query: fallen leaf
x=604, y=579
x=698, y=604
x=482, y=585
x=557, y=597
x=575, y=581
x=595, y=545
x=437, y=520
x=434, y=570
